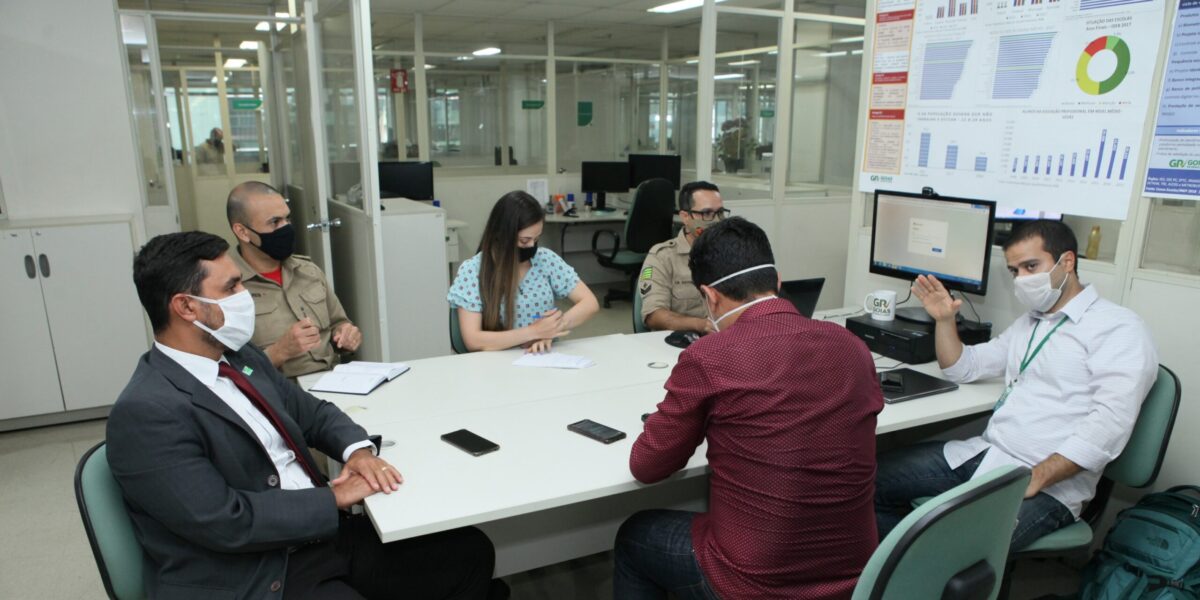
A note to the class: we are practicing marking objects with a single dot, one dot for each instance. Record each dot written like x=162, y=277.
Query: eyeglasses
x=708, y=215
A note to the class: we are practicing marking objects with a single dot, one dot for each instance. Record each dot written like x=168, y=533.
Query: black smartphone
x=596, y=431
x=469, y=442
x=891, y=381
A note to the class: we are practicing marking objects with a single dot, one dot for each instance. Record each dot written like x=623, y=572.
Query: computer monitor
x=643, y=167
x=1009, y=213
x=600, y=177
x=412, y=180
x=949, y=238
x=803, y=294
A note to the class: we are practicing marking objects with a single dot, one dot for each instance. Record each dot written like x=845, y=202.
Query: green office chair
x=456, y=342
x=639, y=326
x=109, y=529
x=952, y=547
x=1136, y=467
x=649, y=222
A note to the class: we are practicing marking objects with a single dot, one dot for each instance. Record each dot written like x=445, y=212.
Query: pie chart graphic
x=1108, y=42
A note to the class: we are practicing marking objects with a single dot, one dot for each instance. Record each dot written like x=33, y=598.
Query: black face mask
x=526, y=254
x=278, y=244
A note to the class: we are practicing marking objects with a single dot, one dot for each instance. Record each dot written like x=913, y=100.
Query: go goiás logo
x=1179, y=163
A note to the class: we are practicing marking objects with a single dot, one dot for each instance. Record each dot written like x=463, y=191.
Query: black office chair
x=649, y=222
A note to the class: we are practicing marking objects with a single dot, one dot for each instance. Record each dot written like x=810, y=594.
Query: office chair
x=649, y=222
x=456, y=342
x=952, y=547
x=109, y=529
x=639, y=325
x=1136, y=467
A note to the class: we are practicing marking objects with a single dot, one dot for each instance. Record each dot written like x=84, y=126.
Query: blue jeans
x=653, y=556
x=921, y=470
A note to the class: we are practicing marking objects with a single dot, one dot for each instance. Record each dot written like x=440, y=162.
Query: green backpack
x=1151, y=552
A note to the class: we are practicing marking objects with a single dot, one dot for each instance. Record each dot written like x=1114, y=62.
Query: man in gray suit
x=209, y=444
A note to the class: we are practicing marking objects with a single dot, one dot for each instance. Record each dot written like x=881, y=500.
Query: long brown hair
x=498, y=257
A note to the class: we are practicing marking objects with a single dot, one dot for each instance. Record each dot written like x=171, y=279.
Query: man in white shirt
x=209, y=444
x=1076, y=368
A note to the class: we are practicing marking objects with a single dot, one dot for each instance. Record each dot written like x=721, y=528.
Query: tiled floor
x=44, y=552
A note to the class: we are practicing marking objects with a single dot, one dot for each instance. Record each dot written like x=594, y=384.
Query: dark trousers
x=921, y=470
x=450, y=564
x=654, y=556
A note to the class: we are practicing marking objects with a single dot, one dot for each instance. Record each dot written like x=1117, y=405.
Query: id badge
x=1003, y=397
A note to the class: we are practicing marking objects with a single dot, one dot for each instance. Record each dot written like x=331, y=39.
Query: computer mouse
x=682, y=339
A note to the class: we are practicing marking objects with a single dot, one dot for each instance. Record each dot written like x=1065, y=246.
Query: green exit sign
x=245, y=103
x=532, y=104
x=767, y=114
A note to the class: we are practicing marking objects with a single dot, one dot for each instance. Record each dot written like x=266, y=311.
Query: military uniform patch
x=647, y=273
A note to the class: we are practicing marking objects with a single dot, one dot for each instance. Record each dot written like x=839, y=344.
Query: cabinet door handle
x=29, y=268
x=44, y=263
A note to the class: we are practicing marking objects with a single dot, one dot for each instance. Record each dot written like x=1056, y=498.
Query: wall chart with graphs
x=1033, y=103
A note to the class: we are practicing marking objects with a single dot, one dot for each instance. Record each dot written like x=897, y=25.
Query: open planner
x=358, y=377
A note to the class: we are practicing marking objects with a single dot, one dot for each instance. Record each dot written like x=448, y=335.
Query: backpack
x=1151, y=552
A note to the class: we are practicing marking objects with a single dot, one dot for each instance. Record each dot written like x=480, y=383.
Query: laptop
x=804, y=293
x=906, y=384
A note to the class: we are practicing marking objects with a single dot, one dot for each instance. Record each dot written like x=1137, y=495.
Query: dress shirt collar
x=202, y=368
x=1078, y=305
x=682, y=245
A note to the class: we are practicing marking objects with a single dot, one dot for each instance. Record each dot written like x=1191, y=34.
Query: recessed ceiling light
x=849, y=40
x=830, y=54
x=486, y=51
x=856, y=52
x=262, y=26
x=235, y=63
x=464, y=58
x=428, y=67
x=672, y=7
x=693, y=61
x=248, y=45
x=742, y=63
x=729, y=76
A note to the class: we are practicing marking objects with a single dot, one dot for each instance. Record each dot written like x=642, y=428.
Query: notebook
x=358, y=377
x=554, y=360
x=804, y=293
x=907, y=384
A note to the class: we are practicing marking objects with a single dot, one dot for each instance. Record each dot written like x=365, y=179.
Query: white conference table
x=548, y=494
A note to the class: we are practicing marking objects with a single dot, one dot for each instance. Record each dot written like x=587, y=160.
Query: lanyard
x=1029, y=357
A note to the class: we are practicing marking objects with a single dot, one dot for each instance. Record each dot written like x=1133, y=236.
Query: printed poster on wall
x=1174, y=165
x=1037, y=104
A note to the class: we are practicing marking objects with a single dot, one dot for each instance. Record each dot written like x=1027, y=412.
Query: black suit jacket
x=201, y=489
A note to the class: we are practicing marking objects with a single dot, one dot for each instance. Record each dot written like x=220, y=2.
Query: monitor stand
x=600, y=201
x=918, y=314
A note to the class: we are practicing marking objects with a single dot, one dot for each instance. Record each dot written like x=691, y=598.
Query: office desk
x=584, y=218
x=548, y=494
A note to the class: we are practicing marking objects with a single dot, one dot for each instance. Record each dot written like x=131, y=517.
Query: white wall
x=66, y=140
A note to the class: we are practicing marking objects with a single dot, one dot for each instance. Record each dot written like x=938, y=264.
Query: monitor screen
x=643, y=167
x=605, y=177
x=1008, y=213
x=950, y=238
x=412, y=180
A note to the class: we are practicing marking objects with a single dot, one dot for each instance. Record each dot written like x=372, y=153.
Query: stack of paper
x=554, y=360
x=358, y=377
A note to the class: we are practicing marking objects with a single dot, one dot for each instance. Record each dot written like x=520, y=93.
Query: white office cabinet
x=415, y=280
x=27, y=368
x=72, y=323
x=93, y=309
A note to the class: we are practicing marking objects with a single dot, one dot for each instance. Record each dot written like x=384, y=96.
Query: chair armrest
x=612, y=255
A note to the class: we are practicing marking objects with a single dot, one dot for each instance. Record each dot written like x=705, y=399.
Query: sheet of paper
x=554, y=360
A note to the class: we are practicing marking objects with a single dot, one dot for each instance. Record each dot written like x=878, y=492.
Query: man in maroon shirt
x=788, y=407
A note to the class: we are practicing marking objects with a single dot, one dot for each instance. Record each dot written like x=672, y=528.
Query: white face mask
x=239, y=319
x=1036, y=291
x=716, y=322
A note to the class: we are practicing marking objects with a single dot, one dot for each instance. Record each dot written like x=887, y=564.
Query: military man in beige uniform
x=298, y=320
x=669, y=298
